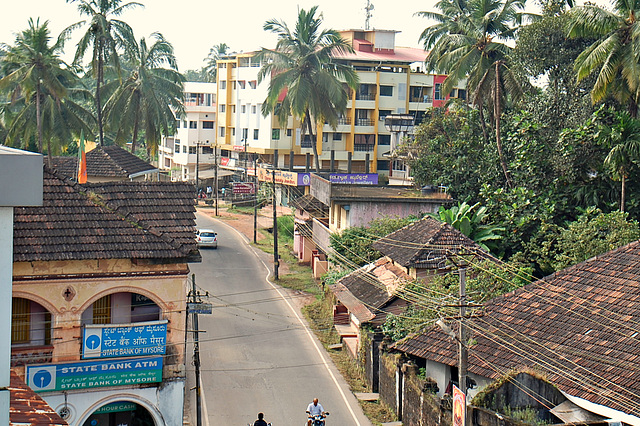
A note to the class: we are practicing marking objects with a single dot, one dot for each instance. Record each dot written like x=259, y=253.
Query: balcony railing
x=22, y=355
x=365, y=97
x=306, y=144
x=364, y=122
x=344, y=120
x=361, y=147
x=423, y=99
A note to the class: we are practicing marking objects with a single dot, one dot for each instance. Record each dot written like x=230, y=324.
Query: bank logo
x=92, y=342
x=42, y=378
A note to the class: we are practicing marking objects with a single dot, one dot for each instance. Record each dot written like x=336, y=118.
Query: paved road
x=256, y=353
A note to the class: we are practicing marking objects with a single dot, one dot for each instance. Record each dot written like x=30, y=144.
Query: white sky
x=193, y=26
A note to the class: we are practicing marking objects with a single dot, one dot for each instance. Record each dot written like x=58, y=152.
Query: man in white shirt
x=314, y=409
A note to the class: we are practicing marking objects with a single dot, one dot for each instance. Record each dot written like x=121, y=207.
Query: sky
x=194, y=26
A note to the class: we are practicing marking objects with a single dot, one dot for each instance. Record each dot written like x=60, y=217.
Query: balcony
x=365, y=97
x=364, y=122
x=362, y=147
x=23, y=355
x=421, y=99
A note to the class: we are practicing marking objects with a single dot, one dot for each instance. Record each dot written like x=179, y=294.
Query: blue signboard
x=123, y=340
x=93, y=374
x=354, y=178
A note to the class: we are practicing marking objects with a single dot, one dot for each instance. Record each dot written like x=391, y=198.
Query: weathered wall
x=388, y=367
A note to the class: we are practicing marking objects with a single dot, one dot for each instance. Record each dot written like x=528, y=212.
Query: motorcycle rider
x=314, y=409
x=260, y=421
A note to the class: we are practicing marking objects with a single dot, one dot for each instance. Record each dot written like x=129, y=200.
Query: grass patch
x=240, y=209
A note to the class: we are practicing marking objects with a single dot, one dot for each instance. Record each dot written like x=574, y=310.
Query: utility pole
x=462, y=344
x=196, y=354
x=215, y=174
x=255, y=200
x=197, y=168
x=276, y=258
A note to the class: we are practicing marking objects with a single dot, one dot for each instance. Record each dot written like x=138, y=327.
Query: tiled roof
x=28, y=408
x=367, y=290
x=311, y=205
x=106, y=161
x=114, y=220
x=581, y=326
x=424, y=244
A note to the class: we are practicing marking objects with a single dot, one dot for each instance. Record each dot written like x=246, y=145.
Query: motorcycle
x=319, y=419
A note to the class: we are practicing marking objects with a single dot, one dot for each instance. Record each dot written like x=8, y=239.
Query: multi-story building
x=195, y=129
x=392, y=81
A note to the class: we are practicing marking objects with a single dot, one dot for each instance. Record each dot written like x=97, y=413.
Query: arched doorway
x=30, y=332
x=121, y=308
x=120, y=413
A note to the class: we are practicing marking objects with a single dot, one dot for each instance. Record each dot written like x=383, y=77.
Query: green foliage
x=592, y=234
x=526, y=415
x=435, y=297
x=285, y=227
x=333, y=276
x=353, y=245
x=468, y=220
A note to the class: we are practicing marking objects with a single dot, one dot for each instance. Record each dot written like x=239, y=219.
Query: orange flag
x=82, y=161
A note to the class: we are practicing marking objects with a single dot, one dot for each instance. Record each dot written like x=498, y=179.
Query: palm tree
x=614, y=55
x=215, y=54
x=151, y=95
x=469, y=41
x=303, y=71
x=623, y=136
x=105, y=36
x=34, y=76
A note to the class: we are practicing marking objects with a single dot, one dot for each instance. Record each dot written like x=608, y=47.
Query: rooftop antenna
x=368, y=10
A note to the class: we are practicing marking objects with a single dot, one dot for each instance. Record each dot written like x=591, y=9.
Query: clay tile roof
x=424, y=244
x=579, y=326
x=368, y=290
x=311, y=205
x=27, y=408
x=107, y=161
x=113, y=220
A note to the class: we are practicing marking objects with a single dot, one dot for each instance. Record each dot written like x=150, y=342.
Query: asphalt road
x=257, y=355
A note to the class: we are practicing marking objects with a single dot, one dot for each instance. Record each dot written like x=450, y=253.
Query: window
x=254, y=109
x=178, y=124
x=221, y=132
x=438, y=92
x=102, y=310
x=184, y=124
x=386, y=90
x=256, y=132
x=233, y=85
x=184, y=149
x=233, y=109
x=383, y=113
x=207, y=150
x=243, y=109
x=337, y=136
x=253, y=84
x=289, y=131
x=275, y=134
x=242, y=84
x=233, y=131
x=222, y=107
x=192, y=150
x=325, y=137
x=207, y=124
x=20, y=320
x=245, y=134
x=384, y=139
x=462, y=94
x=383, y=165
x=177, y=148
x=223, y=84
x=193, y=124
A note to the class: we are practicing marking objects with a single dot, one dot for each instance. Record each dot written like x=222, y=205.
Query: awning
x=209, y=174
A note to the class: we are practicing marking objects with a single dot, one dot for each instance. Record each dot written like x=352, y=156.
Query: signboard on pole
x=124, y=340
x=94, y=374
x=459, y=407
x=244, y=188
x=199, y=308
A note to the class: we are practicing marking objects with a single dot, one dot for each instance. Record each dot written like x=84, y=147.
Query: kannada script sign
x=124, y=340
x=93, y=374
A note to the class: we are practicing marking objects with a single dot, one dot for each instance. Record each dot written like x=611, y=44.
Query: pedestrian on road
x=260, y=421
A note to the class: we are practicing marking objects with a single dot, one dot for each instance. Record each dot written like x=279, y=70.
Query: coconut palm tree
x=614, y=55
x=215, y=54
x=623, y=137
x=305, y=80
x=151, y=95
x=36, y=79
x=469, y=41
x=105, y=36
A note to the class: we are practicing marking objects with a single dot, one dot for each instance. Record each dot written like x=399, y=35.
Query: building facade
x=196, y=130
x=392, y=81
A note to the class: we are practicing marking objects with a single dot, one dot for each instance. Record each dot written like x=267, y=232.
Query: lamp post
x=398, y=125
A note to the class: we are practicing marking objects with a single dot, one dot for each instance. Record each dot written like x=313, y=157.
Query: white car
x=207, y=238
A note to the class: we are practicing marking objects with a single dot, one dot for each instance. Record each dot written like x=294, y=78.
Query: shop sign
x=199, y=308
x=354, y=178
x=124, y=340
x=117, y=407
x=243, y=188
x=284, y=177
x=94, y=374
x=459, y=407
